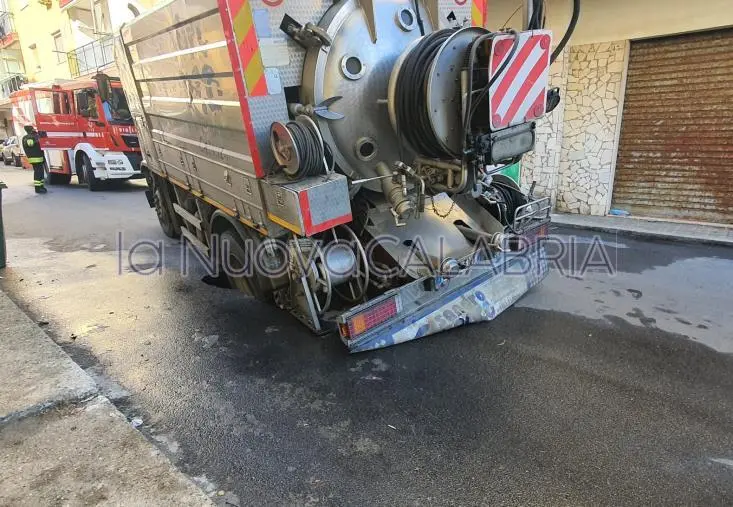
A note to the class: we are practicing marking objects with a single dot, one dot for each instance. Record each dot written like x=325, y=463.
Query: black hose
x=469, y=97
x=494, y=77
x=412, y=115
x=571, y=28
x=310, y=149
x=419, y=18
x=510, y=197
x=537, y=21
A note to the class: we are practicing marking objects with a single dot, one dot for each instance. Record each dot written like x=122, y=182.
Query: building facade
x=646, y=121
x=50, y=40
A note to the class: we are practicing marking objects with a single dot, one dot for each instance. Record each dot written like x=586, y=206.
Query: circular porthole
x=352, y=67
x=406, y=19
x=366, y=149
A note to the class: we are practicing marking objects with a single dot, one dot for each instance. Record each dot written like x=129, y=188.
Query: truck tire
x=237, y=259
x=162, y=210
x=16, y=161
x=92, y=182
x=6, y=161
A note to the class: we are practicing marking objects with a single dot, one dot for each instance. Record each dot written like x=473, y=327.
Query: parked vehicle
x=345, y=162
x=12, y=152
x=85, y=129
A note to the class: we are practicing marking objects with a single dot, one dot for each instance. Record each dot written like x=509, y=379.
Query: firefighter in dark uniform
x=34, y=153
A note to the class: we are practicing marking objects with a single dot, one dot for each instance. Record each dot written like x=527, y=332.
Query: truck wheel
x=167, y=223
x=16, y=160
x=238, y=260
x=92, y=182
x=6, y=161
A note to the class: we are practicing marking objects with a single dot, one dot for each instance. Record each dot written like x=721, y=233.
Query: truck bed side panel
x=182, y=72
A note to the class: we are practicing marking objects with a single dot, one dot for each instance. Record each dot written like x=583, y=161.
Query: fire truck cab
x=85, y=129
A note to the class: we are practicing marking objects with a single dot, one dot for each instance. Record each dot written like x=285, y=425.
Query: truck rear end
x=343, y=159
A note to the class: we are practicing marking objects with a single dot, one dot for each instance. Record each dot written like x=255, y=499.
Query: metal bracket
x=321, y=109
x=308, y=36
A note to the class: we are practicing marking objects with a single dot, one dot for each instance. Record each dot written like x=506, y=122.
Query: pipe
x=401, y=205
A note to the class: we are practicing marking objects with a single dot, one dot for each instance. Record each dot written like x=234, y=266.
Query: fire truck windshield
x=116, y=110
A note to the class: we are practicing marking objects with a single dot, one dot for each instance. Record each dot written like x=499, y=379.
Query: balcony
x=8, y=35
x=92, y=57
x=10, y=84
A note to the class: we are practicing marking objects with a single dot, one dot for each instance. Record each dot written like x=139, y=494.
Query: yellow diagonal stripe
x=476, y=15
x=242, y=22
x=254, y=70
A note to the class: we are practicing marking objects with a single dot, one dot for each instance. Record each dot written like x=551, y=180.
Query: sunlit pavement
x=595, y=388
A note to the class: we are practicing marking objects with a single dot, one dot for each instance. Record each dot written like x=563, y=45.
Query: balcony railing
x=8, y=35
x=10, y=84
x=92, y=57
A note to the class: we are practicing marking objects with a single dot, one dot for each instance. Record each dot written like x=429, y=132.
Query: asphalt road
x=593, y=389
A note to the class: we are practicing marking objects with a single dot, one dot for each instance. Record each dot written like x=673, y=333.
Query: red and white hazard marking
x=519, y=95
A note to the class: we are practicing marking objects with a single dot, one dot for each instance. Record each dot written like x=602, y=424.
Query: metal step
x=188, y=217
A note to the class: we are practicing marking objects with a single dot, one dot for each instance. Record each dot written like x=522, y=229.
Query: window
x=86, y=103
x=58, y=47
x=101, y=17
x=44, y=102
x=116, y=109
x=61, y=103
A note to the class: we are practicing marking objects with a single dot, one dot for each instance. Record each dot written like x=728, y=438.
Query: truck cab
x=85, y=128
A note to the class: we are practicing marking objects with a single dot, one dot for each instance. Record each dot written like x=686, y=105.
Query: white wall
x=613, y=20
x=120, y=13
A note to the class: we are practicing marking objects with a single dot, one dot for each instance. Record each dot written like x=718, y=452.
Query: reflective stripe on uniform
x=35, y=160
x=38, y=183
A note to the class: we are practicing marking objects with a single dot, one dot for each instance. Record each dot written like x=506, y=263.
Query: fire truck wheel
x=6, y=161
x=165, y=219
x=92, y=182
x=238, y=260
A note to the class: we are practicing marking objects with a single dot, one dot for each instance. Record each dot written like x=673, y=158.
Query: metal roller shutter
x=675, y=156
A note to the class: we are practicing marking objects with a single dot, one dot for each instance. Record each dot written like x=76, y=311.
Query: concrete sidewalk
x=646, y=227
x=64, y=443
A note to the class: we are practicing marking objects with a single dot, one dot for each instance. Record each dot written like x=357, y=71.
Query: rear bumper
x=479, y=295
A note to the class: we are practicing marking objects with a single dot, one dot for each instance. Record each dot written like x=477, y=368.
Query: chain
x=435, y=210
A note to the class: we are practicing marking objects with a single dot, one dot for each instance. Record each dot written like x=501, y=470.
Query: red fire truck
x=85, y=129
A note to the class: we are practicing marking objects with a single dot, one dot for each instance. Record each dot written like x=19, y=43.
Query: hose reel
x=424, y=93
x=298, y=147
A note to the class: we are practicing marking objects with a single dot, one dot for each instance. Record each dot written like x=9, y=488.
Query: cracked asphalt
x=595, y=388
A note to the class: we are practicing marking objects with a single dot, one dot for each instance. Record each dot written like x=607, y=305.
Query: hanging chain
x=435, y=210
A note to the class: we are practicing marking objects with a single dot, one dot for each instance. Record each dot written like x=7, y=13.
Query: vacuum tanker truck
x=343, y=160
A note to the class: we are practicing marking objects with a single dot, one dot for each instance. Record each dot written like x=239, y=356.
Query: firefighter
x=34, y=153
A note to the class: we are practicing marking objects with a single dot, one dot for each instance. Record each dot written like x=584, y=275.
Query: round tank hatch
x=357, y=68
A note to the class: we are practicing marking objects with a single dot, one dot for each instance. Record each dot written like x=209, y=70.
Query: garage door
x=676, y=149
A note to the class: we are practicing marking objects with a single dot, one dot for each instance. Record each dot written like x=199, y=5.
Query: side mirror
x=104, y=86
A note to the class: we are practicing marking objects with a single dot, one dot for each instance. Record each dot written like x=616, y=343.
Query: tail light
x=368, y=319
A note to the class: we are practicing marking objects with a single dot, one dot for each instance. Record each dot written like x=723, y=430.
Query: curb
x=79, y=393
x=635, y=233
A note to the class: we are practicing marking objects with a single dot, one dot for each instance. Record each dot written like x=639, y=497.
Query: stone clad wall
x=593, y=106
x=543, y=164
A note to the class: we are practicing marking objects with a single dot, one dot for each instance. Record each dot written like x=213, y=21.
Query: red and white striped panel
x=519, y=95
